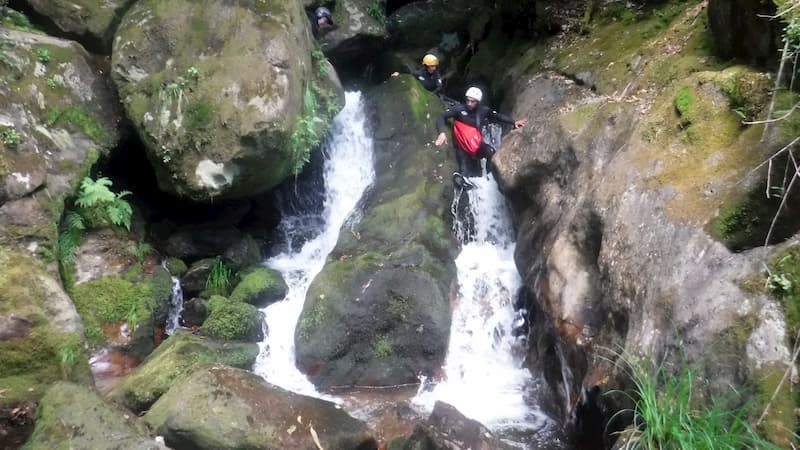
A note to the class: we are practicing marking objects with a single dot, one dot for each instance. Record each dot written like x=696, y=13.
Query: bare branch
x=783, y=380
x=780, y=14
x=760, y=122
x=783, y=202
x=778, y=153
x=777, y=86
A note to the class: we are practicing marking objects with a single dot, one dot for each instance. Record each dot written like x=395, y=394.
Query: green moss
x=200, y=114
x=112, y=300
x=232, y=321
x=747, y=91
x=313, y=318
x=176, y=266
x=79, y=118
x=781, y=421
x=400, y=307
x=215, y=302
x=577, y=119
x=382, y=347
x=256, y=285
x=685, y=105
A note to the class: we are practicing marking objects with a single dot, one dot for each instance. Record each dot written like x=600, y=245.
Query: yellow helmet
x=430, y=60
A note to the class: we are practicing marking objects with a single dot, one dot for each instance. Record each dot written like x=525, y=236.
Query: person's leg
x=487, y=151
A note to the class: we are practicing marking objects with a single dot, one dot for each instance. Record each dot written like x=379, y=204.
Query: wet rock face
x=86, y=19
x=359, y=32
x=72, y=416
x=378, y=313
x=447, y=429
x=256, y=416
x=57, y=115
x=215, y=90
x=740, y=30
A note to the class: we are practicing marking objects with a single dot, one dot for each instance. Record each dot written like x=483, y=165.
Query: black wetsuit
x=477, y=117
x=316, y=30
x=430, y=81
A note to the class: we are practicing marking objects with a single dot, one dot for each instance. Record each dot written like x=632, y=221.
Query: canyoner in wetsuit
x=469, y=118
x=428, y=75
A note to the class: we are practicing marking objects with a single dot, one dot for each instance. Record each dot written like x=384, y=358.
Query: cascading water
x=175, y=305
x=484, y=374
x=349, y=171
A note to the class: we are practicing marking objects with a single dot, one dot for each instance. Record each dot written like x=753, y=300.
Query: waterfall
x=349, y=170
x=484, y=377
x=175, y=305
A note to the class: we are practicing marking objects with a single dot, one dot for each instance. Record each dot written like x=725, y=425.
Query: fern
x=120, y=212
x=70, y=238
x=94, y=192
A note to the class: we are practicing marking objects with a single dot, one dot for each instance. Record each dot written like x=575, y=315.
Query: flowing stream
x=348, y=171
x=484, y=376
x=175, y=305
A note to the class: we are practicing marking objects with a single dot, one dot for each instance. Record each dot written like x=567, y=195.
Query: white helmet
x=475, y=93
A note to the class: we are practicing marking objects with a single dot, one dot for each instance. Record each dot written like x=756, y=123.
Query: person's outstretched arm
x=441, y=124
x=503, y=118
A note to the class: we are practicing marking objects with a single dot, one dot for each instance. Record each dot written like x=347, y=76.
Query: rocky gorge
x=146, y=143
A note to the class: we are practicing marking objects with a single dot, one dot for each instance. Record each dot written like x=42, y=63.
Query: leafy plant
x=193, y=73
x=51, y=83
x=173, y=90
x=377, y=11
x=70, y=238
x=140, y=252
x=219, y=280
x=43, y=54
x=133, y=317
x=320, y=62
x=97, y=201
x=665, y=415
x=68, y=355
x=10, y=137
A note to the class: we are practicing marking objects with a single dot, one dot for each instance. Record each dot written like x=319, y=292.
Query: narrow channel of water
x=348, y=171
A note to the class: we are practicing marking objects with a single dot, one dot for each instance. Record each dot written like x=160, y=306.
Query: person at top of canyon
x=321, y=22
x=469, y=117
x=428, y=74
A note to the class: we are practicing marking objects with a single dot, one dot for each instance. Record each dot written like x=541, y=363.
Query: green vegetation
x=79, y=118
x=10, y=18
x=219, y=280
x=112, y=300
x=233, y=321
x=377, y=10
x=215, y=302
x=255, y=285
x=784, y=281
x=43, y=55
x=140, y=252
x=667, y=416
x=96, y=206
x=200, y=114
x=382, y=347
x=69, y=355
x=176, y=266
x=10, y=137
x=685, y=105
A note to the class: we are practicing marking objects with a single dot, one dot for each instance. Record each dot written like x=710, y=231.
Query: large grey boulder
x=41, y=334
x=57, y=115
x=448, y=429
x=216, y=90
x=225, y=408
x=90, y=21
x=360, y=31
x=379, y=313
x=72, y=416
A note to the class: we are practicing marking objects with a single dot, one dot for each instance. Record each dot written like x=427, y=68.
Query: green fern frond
x=120, y=213
x=94, y=192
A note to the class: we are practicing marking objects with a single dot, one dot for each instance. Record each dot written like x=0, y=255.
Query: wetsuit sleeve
x=499, y=117
x=441, y=123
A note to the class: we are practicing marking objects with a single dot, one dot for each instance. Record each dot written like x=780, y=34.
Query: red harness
x=468, y=137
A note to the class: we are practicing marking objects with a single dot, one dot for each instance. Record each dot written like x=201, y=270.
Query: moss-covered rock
x=378, y=312
x=57, y=115
x=176, y=266
x=91, y=21
x=359, y=33
x=260, y=287
x=257, y=416
x=71, y=416
x=216, y=91
x=123, y=311
x=235, y=321
x=173, y=361
x=194, y=280
x=41, y=335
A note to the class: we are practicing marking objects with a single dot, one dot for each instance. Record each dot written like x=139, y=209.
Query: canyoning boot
x=460, y=181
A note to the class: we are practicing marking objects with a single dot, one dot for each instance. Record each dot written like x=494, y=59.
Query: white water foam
x=484, y=374
x=349, y=171
x=175, y=305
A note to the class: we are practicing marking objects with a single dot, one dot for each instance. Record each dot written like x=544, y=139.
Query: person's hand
x=520, y=123
x=441, y=139
x=395, y=74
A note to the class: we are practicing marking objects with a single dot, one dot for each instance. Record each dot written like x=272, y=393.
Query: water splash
x=349, y=170
x=484, y=374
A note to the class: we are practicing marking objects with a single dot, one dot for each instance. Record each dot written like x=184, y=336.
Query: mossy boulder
x=234, y=321
x=125, y=310
x=378, y=313
x=216, y=90
x=57, y=115
x=194, y=280
x=260, y=287
x=41, y=335
x=173, y=361
x=72, y=416
x=257, y=416
x=176, y=266
x=90, y=21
